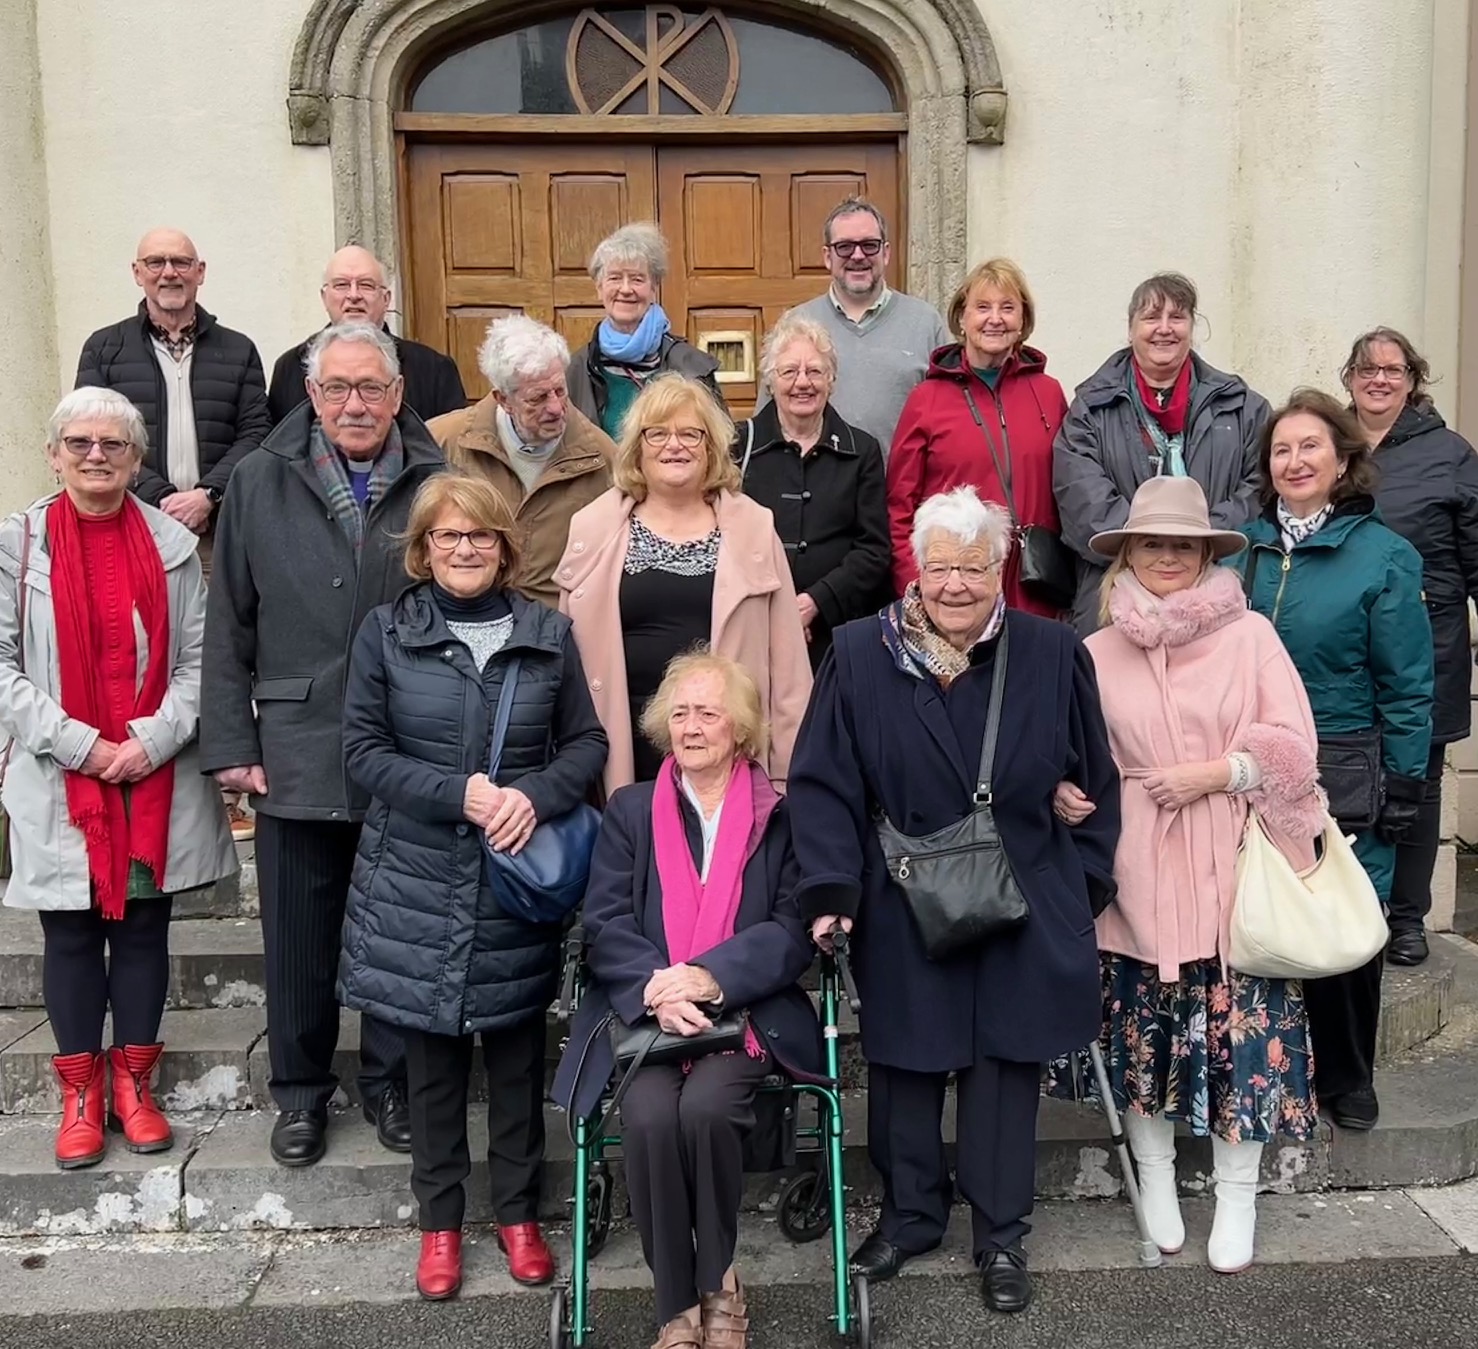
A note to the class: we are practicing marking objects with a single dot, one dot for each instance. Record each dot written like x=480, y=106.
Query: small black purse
x=646, y=1043
x=957, y=882
x=1049, y=569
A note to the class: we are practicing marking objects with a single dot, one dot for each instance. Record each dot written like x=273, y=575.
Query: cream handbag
x=1292, y=925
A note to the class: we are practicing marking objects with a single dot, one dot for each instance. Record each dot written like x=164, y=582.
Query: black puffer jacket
x=425, y=944
x=227, y=389
x=1428, y=494
x=587, y=381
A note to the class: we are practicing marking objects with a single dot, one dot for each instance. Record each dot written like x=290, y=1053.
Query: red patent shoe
x=529, y=1259
x=439, y=1271
x=134, y=1113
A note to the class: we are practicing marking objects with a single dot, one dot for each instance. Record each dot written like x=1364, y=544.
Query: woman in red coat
x=984, y=416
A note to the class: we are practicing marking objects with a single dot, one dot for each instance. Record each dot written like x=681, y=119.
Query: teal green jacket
x=1347, y=603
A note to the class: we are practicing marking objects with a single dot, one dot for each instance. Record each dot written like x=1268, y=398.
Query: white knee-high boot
x=1152, y=1141
x=1235, y=1172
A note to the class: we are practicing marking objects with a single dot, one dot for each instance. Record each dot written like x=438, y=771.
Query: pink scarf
x=698, y=915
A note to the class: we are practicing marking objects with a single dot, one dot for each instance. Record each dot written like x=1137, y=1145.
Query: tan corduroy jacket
x=579, y=472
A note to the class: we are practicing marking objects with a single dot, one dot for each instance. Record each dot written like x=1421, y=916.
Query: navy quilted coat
x=425, y=944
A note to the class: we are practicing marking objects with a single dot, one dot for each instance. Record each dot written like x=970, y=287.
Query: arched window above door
x=658, y=60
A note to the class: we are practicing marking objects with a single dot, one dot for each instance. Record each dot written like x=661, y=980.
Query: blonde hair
x=656, y=405
x=741, y=701
x=1000, y=274
x=478, y=500
x=1120, y=565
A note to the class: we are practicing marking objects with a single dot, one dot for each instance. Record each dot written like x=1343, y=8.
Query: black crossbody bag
x=1049, y=571
x=957, y=882
x=1351, y=764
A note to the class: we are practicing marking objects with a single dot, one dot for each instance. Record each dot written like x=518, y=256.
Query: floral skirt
x=1227, y=1053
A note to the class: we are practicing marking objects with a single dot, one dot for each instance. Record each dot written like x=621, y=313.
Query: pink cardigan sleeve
x=1283, y=741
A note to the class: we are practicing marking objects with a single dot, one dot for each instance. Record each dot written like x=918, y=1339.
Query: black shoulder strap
x=993, y=719
x=503, y=715
x=1249, y=569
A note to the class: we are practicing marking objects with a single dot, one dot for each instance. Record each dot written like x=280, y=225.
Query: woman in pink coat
x=1207, y=717
x=672, y=557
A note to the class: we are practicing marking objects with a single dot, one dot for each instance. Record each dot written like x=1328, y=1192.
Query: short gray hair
x=793, y=326
x=365, y=333
x=95, y=404
x=853, y=206
x=967, y=519
x=642, y=242
x=519, y=348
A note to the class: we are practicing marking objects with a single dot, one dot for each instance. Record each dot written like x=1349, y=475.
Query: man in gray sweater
x=883, y=337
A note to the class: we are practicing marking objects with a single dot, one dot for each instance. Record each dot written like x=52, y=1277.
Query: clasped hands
x=109, y=761
x=504, y=814
x=1169, y=788
x=673, y=996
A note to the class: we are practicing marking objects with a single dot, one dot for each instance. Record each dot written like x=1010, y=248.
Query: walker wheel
x=598, y=1204
x=862, y=1311
x=559, y=1331
x=805, y=1208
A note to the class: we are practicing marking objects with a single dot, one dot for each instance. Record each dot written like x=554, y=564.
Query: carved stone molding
x=353, y=57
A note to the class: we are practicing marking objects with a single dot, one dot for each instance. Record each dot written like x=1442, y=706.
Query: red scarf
x=115, y=831
x=1172, y=415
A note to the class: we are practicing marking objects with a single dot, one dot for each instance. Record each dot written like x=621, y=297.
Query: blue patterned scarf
x=634, y=348
x=919, y=649
x=334, y=478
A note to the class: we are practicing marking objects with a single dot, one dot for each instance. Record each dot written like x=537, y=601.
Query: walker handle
x=839, y=945
x=574, y=951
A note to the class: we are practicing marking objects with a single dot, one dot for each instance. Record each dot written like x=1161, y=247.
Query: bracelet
x=1240, y=775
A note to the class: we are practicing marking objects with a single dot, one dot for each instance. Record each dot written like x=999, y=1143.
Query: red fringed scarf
x=85, y=617
x=1172, y=415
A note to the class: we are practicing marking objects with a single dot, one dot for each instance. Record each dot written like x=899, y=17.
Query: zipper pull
x=1287, y=561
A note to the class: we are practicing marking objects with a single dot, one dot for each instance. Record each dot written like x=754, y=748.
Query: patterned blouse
x=646, y=551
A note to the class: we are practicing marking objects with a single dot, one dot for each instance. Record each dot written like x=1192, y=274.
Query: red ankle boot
x=439, y=1271
x=529, y=1260
x=80, y=1141
x=134, y=1113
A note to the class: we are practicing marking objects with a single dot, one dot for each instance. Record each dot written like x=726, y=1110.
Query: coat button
x=580, y=594
x=577, y=547
x=596, y=685
x=448, y=654
x=805, y=496
x=773, y=1034
x=462, y=829
x=337, y=582
x=567, y=573
x=801, y=546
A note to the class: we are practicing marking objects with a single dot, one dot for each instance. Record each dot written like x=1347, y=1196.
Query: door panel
x=497, y=229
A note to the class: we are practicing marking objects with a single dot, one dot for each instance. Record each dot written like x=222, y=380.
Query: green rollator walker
x=812, y=1202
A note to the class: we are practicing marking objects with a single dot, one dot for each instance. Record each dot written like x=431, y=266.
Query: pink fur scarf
x=1148, y=621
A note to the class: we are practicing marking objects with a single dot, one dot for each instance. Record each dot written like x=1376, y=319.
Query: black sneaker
x=1358, y=1109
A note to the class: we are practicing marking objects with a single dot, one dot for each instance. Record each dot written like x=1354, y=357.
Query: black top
x=488, y=607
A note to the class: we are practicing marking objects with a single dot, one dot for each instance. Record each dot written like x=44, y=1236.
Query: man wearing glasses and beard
x=883, y=337
x=309, y=542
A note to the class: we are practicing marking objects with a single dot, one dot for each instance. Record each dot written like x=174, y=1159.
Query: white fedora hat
x=1173, y=508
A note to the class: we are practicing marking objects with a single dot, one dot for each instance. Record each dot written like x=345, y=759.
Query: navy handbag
x=546, y=881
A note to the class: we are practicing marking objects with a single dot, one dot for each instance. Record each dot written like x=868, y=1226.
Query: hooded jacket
x=1428, y=494
x=1100, y=460
x=939, y=445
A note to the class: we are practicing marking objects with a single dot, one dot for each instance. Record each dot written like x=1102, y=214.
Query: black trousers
x=1344, y=1014
x=1416, y=855
x=683, y=1140
x=995, y=1152
x=436, y=1079
x=303, y=869
x=80, y=985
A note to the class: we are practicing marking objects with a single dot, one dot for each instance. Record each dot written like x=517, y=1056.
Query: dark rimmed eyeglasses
x=484, y=540
x=844, y=248
x=370, y=391
x=81, y=446
x=1395, y=373
x=156, y=263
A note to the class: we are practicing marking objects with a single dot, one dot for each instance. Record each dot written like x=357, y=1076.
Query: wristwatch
x=215, y=494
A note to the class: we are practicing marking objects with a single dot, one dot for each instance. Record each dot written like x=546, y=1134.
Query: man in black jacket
x=198, y=385
x=355, y=290
x=309, y=544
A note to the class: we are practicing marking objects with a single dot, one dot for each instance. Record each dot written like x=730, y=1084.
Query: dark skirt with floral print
x=1227, y=1053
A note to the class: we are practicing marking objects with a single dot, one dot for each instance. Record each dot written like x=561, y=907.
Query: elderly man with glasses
x=883, y=337
x=197, y=384
x=355, y=290
x=311, y=539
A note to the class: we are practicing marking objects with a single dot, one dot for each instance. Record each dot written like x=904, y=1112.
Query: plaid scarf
x=334, y=478
x=918, y=649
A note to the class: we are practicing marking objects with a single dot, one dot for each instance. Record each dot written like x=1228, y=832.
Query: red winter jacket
x=938, y=446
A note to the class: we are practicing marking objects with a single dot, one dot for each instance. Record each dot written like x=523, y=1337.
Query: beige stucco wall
x=1280, y=151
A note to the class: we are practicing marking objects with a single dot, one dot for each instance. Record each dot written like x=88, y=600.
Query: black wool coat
x=227, y=391
x=875, y=738
x=433, y=384
x=426, y=945
x=287, y=595
x=1428, y=494
x=758, y=968
x=831, y=513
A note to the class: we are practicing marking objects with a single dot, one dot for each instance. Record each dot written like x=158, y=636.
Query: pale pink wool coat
x=1190, y=678
x=755, y=619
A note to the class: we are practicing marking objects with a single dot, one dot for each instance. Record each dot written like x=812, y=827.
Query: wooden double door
x=496, y=229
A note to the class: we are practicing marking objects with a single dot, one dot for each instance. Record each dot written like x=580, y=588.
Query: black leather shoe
x=298, y=1137
x=1358, y=1109
x=1408, y=946
x=1004, y=1283
x=878, y=1259
x=391, y=1117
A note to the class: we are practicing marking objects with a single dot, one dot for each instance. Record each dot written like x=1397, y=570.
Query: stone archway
x=353, y=56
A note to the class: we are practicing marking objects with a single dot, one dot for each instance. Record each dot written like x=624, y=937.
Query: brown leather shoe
x=680, y=1333
x=726, y=1319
